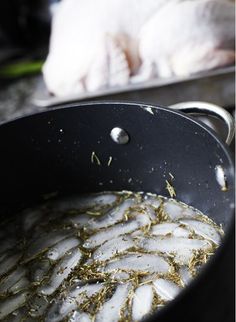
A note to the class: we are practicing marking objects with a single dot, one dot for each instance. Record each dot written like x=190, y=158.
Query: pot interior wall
x=51, y=152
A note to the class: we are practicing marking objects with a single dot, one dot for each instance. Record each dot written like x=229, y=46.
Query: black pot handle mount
x=205, y=108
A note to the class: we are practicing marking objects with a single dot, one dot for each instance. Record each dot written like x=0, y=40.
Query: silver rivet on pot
x=119, y=135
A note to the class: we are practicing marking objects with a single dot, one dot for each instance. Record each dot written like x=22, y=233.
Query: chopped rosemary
x=43, y=255
x=95, y=159
x=109, y=161
x=170, y=189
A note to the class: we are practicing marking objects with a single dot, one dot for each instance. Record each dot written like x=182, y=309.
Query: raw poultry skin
x=201, y=33
x=100, y=44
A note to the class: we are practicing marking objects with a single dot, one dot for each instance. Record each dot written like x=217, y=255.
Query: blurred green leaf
x=19, y=69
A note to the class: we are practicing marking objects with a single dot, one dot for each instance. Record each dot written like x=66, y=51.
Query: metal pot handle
x=204, y=108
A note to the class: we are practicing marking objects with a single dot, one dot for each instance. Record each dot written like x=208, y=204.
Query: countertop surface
x=29, y=94
x=15, y=98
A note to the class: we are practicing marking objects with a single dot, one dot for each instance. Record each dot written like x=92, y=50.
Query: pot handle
x=204, y=108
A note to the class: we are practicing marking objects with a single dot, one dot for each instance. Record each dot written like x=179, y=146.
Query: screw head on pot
x=119, y=136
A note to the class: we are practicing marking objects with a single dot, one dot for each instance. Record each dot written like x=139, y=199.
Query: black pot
x=51, y=152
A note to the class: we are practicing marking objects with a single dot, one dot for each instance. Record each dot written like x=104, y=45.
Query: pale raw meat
x=198, y=35
x=96, y=45
x=92, y=42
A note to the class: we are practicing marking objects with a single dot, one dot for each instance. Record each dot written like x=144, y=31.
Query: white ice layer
x=113, y=216
x=8, y=281
x=39, y=270
x=38, y=306
x=182, y=247
x=176, y=211
x=169, y=228
x=9, y=262
x=203, y=229
x=131, y=250
x=12, y=303
x=62, y=308
x=61, y=271
x=119, y=275
x=113, y=247
x=185, y=275
x=139, y=262
x=142, y=302
x=110, y=311
x=78, y=220
x=80, y=317
x=117, y=230
x=17, y=315
x=167, y=290
x=60, y=249
x=152, y=201
x=44, y=242
x=19, y=285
